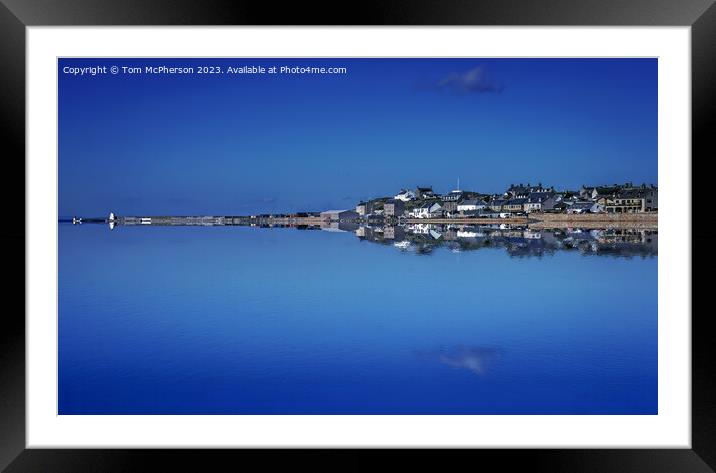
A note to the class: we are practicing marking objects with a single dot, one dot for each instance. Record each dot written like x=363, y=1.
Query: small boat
x=76, y=220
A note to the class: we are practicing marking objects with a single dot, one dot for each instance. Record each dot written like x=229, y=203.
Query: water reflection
x=189, y=316
x=518, y=242
x=423, y=239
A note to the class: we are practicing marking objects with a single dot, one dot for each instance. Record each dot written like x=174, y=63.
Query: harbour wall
x=540, y=220
x=625, y=220
x=650, y=217
x=212, y=221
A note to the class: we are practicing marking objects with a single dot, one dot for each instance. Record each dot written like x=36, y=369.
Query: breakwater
x=212, y=221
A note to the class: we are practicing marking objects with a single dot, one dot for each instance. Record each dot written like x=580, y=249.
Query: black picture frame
x=16, y=15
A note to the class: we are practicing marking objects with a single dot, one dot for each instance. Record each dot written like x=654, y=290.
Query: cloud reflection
x=476, y=359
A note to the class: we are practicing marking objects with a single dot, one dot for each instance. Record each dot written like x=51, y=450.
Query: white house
x=429, y=210
x=405, y=195
x=470, y=205
x=584, y=207
x=452, y=196
x=534, y=202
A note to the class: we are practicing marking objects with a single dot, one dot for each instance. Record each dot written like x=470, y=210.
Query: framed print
x=406, y=228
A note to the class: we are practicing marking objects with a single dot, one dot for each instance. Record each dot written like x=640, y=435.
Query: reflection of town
x=517, y=241
x=422, y=238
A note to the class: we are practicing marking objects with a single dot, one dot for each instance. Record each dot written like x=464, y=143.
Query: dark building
x=424, y=193
x=393, y=208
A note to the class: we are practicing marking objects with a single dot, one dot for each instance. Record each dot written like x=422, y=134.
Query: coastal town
x=526, y=220
x=520, y=204
x=518, y=200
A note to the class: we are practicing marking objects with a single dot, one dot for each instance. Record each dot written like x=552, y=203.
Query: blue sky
x=234, y=144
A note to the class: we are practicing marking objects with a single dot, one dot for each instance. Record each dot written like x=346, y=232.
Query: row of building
x=516, y=200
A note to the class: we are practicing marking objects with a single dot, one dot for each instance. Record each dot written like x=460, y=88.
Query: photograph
x=357, y=236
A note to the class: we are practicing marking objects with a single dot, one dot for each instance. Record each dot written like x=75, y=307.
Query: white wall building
x=405, y=196
x=470, y=205
x=428, y=210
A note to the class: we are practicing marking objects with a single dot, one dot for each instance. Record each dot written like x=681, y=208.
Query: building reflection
x=517, y=241
x=423, y=238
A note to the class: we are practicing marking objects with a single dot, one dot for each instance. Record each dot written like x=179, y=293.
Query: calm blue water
x=239, y=320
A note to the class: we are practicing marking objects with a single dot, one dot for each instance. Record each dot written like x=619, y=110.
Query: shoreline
x=636, y=220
